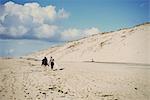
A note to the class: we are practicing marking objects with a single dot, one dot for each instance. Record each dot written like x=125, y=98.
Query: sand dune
x=130, y=45
x=22, y=79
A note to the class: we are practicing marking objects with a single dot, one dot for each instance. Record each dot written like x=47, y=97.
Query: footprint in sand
x=27, y=93
x=106, y=95
x=135, y=88
x=37, y=95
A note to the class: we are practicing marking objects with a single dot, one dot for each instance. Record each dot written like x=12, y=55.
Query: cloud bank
x=34, y=21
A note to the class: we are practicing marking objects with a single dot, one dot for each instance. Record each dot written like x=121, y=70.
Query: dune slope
x=130, y=45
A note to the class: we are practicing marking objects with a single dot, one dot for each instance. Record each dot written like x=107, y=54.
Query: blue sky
x=90, y=16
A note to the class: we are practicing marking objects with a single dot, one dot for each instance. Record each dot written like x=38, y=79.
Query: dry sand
x=126, y=45
x=22, y=79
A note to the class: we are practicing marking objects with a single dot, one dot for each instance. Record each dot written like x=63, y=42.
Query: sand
x=131, y=45
x=22, y=79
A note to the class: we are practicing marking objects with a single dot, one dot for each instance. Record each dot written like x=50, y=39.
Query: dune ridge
x=129, y=45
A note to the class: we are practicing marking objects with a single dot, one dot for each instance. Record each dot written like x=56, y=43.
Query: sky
x=17, y=47
x=65, y=20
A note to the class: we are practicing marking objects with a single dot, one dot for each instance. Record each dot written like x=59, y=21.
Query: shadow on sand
x=124, y=63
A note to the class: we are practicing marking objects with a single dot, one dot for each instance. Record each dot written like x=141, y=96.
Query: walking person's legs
x=52, y=65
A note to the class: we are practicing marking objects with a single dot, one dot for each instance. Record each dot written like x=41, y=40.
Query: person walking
x=51, y=62
x=45, y=62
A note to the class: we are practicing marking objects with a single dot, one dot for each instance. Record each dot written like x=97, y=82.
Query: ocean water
x=18, y=48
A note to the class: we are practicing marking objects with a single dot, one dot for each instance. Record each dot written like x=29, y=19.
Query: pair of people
x=45, y=62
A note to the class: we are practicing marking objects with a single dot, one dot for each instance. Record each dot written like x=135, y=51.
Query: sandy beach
x=22, y=79
x=108, y=66
x=100, y=49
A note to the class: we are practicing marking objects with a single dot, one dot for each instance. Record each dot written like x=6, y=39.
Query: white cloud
x=20, y=20
x=70, y=34
x=16, y=31
x=91, y=31
x=33, y=21
x=13, y=31
x=73, y=33
x=38, y=13
x=45, y=31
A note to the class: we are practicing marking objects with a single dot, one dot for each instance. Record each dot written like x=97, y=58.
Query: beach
x=100, y=50
x=24, y=79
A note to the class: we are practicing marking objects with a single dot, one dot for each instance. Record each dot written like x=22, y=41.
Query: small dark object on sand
x=61, y=69
x=43, y=93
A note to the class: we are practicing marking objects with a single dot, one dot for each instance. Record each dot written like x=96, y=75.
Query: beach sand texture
x=22, y=79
